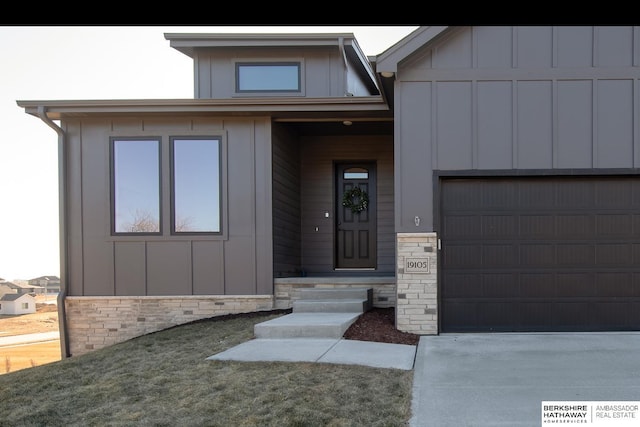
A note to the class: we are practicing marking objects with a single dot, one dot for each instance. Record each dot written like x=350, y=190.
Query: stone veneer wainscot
x=97, y=322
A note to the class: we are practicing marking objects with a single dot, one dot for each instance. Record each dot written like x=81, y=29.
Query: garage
x=540, y=253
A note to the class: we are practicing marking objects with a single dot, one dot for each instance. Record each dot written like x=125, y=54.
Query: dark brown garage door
x=540, y=254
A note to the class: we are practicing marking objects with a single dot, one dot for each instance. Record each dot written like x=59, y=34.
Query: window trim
x=172, y=192
x=271, y=92
x=112, y=179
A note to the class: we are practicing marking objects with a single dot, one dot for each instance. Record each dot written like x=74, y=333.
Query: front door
x=356, y=216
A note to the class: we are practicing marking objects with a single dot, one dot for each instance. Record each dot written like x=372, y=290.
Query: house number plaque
x=416, y=265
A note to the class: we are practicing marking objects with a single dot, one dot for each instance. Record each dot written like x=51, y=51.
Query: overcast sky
x=82, y=63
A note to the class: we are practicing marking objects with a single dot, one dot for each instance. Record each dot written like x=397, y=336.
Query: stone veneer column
x=417, y=283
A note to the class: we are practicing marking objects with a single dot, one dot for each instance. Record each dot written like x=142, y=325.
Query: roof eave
x=187, y=43
x=57, y=109
x=387, y=61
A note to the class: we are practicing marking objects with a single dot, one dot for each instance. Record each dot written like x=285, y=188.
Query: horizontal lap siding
x=287, y=257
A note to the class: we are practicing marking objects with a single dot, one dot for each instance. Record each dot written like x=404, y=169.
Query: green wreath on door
x=355, y=199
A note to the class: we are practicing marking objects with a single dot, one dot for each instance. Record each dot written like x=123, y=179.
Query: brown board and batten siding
x=477, y=103
x=319, y=155
x=287, y=256
x=237, y=262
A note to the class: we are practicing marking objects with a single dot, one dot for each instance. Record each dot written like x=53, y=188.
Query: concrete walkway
x=29, y=338
x=501, y=379
x=322, y=350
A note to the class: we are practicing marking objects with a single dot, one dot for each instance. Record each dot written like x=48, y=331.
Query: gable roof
x=14, y=297
x=50, y=278
x=387, y=61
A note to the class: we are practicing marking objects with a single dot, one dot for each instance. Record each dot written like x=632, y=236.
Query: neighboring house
x=7, y=288
x=23, y=288
x=500, y=164
x=17, y=304
x=50, y=284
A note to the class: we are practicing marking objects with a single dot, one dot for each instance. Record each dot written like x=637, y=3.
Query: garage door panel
x=499, y=255
x=494, y=315
x=536, y=227
x=537, y=285
x=463, y=196
x=578, y=197
x=459, y=315
x=462, y=285
x=613, y=225
x=614, y=254
x=500, y=285
x=575, y=284
x=571, y=315
x=575, y=255
x=577, y=226
x=614, y=284
x=540, y=254
x=461, y=256
x=619, y=314
x=535, y=194
x=636, y=253
x=467, y=226
x=613, y=193
x=499, y=196
x=536, y=316
x=498, y=226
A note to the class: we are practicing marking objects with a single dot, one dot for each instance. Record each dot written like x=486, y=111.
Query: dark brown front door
x=356, y=222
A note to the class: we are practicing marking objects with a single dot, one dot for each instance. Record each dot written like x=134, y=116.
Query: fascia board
x=388, y=60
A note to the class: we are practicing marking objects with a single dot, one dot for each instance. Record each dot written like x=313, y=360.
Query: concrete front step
x=338, y=300
x=306, y=325
x=331, y=306
x=335, y=293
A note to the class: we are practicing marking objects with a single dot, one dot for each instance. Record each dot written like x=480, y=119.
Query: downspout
x=346, y=64
x=62, y=190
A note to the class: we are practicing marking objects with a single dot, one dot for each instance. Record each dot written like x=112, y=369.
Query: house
x=49, y=284
x=20, y=288
x=17, y=304
x=478, y=178
x=7, y=288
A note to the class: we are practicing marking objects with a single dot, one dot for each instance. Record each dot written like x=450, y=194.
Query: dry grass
x=164, y=379
x=17, y=357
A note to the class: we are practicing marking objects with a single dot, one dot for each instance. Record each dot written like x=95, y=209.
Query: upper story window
x=195, y=183
x=257, y=77
x=135, y=195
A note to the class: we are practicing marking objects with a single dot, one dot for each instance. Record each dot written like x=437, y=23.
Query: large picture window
x=195, y=167
x=268, y=77
x=135, y=186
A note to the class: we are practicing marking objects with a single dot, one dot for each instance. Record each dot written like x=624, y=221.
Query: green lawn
x=164, y=379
